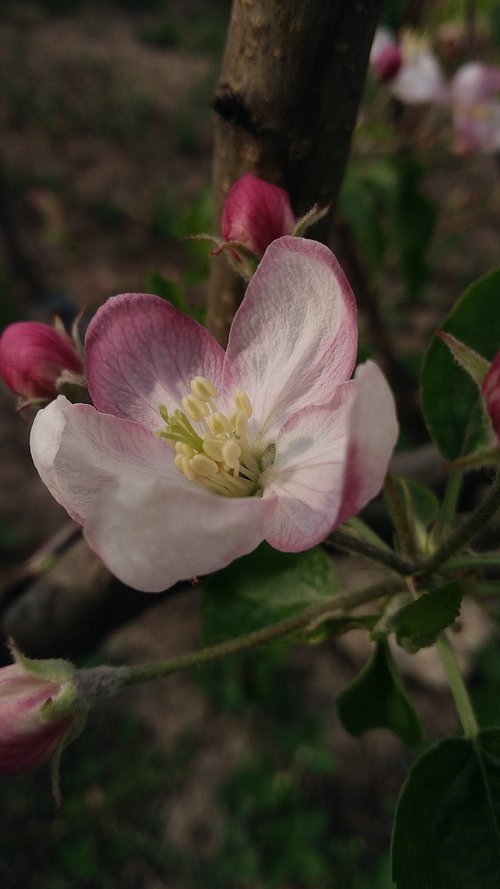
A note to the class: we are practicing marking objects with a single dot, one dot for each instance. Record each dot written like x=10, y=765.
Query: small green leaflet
x=446, y=831
x=419, y=623
x=376, y=699
x=451, y=401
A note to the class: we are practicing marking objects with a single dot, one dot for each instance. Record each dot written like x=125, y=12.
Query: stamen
x=242, y=402
x=231, y=453
x=194, y=407
x=217, y=453
x=204, y=465
x=240, y=423
x=203, y=389
x=219, y=423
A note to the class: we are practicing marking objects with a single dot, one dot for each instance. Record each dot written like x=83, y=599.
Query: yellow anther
x=231, y=453
x=195, y=408
x=219, y=423
x=183, y=465
x=212, y=447
x=184, y=449
x=242, y=402
x=203, y=389
x=240, y=422
x=204, y=465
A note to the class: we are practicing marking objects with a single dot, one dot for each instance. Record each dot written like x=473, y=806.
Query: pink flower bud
x=32, y=719
x=491, y=393
x=256, y=213
x=386, y=57
x=33, y=356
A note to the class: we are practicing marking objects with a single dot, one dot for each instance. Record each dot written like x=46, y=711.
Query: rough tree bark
x=285, y=107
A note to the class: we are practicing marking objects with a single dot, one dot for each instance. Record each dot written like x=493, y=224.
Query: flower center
x=210, y=447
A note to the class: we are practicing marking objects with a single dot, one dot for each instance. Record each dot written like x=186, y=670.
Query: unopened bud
x=34, y=356
x=256, y=213
x=491, y=394
x=385, y=57
x=39, y=702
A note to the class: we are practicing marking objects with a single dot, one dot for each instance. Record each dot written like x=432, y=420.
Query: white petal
x=373, y=433
x=78, y=452
x=149, y=524
x=308, y=472
x=420, y=80
x=152, y=534
x=294, y=337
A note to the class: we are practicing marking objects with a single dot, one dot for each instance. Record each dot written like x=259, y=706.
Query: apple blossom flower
x=256, y=213
x=475, y=99
x=491, y=394
x=39, y=702
x=192, y=456
x=34, y=356
x=409, y=66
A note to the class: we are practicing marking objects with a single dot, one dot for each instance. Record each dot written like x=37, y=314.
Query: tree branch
x=285, y=108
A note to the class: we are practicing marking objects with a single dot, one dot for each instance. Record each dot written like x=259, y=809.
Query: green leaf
x=425, y=505
x=418, y=624
x=263, y=588
x=167, y=289
x=377, y=699
x=446, y=830
x=451, y=402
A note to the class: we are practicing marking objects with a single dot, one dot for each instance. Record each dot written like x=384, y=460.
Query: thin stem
x=394, y=496
x=349, y=543
x=339, y=603
x=472, y=561
x=457, y=686
x=464, y=533
x=449, y=504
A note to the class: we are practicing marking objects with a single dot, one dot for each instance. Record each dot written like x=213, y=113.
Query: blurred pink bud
x=256, y=213
x=33, y=356
x=410, y=66
x=32, y=719
x=491, y=393
x=475, y=97
x=385, y=56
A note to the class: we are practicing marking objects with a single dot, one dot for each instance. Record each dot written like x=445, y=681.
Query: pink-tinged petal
x=477, y=128
x=420, y=80
x=33, y=356
x=141, y=352
x=491, y=394
x=79, y=452
x=307, y=476
x=152, y=534
x=148, y=523
x=256, y=213
x=373, y=433
x=383, y=39
x=22, y=752
x=475, y=82
x=294, y=337
x=26, y=738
